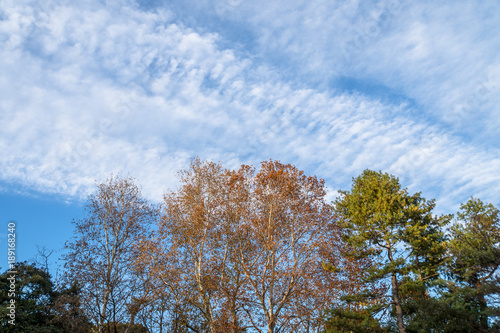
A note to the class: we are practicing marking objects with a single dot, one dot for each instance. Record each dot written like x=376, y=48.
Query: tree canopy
x=259, y=249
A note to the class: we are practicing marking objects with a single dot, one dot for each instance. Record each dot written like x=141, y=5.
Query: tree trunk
x=271, y=326
x=397, y=304
x=234, y=319
x=395, y=294
x=103, y=311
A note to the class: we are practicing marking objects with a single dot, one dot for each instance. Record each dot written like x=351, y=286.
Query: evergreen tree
x=398, y=233
x=474, y=265
x=33, y=294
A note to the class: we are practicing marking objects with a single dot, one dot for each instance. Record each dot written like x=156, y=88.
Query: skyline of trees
x=261, y=250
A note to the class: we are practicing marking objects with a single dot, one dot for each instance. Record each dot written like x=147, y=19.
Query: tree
x=397, y=231
x=353, y=321
x=191, y=252
x=68, y=313
x=359, y=300
x=101, y=254
x=242, y=251
x=475, y=264
x=281, y=242
x=33, y=293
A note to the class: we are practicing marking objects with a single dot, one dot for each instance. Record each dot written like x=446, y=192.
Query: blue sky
x=90, y=88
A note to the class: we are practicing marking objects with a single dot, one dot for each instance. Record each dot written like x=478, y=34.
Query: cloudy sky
x=89, y=88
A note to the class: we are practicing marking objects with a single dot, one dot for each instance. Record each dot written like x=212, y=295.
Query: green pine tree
x=474, y=267
x=398, y=233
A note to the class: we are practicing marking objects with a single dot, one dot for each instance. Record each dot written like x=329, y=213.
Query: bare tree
x=42, y=257
x=104, y=247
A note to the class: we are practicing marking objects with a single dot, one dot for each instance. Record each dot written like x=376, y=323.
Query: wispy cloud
x=90, y=89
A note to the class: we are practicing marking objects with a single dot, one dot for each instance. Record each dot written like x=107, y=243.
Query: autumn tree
x=101, y=253
x=242, y=251
x=398, y=232
x=190, y=253
x=280, y=250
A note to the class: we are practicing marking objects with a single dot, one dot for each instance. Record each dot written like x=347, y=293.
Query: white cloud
x=87, y=90
x=441, y=56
